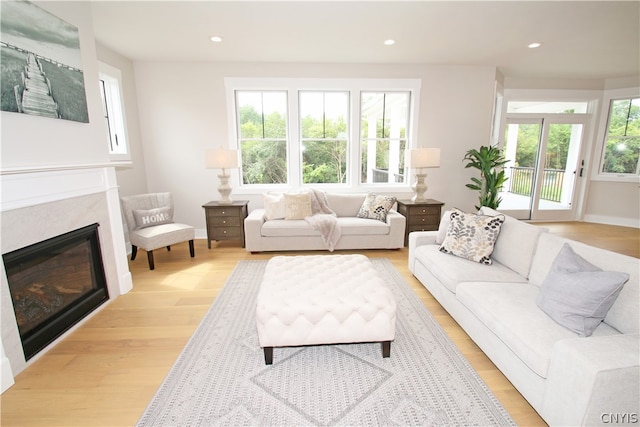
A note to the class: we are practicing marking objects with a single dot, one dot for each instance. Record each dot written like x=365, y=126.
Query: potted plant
x=487, y=159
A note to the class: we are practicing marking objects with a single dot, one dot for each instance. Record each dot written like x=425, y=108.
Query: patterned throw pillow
x=297, y=206
x=376, y=207
x=472, y=236
x=151, y=217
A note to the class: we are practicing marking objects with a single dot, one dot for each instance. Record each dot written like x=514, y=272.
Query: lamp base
x=419, y=187
x=224, y=189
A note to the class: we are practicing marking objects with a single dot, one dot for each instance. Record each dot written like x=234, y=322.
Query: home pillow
x=151, y=217
x=376, y=207
x=576, y=294
x=472, y=236
x=443, y=227
x=274, y=206
x=297, y=206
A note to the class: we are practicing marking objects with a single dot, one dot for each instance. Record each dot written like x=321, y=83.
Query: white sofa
x=294, y=235
x=569, y=380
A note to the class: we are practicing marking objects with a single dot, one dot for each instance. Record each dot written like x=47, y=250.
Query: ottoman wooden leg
x=268, y=355
x=386, y=348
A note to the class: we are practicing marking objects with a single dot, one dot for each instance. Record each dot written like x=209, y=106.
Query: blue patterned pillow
x=472, y=236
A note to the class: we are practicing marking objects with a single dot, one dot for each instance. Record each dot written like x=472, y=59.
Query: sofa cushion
x=376, y=206
x=274, y=206
x=452, y=271
x=509, y=310
x=347, y=205
x=577, y=294
x=348, y=226
x=472, y=236
x=623, y=315
x=516, y=243
x=297, y=206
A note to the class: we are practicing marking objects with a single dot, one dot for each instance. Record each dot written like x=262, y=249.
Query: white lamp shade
x=221, y=159
x=423, y=158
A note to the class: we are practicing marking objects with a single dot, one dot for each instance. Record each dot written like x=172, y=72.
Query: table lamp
x=222, y=159
x=419, y=159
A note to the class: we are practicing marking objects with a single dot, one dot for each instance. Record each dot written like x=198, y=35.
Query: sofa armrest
x=417, y=239
x=590, y=380
x=397, y=224
x=253, y=230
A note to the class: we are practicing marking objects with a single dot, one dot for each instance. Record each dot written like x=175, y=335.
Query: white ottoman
x=323, y=299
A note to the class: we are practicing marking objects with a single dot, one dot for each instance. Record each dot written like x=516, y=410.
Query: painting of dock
x=41, y=72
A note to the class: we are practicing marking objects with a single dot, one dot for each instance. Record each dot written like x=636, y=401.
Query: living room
x=178, y=107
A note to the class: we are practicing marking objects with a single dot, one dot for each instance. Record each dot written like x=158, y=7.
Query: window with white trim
x=296, y=132
x=113, y=111
x=621, y=148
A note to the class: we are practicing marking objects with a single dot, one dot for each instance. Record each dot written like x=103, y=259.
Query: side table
x=421, y=216
x=225, y=221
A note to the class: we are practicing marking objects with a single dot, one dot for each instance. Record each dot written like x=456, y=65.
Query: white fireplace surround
x=37, y=205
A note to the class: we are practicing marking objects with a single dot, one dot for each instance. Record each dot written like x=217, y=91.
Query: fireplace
x=54, y=284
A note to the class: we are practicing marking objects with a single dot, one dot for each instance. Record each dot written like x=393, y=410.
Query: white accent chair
x=154, y=208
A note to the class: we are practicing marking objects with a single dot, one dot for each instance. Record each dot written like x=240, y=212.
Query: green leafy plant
x=487, y=160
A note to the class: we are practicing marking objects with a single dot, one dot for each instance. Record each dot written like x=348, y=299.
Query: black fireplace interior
x=54, y=284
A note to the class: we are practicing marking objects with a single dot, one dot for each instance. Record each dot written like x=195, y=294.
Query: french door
x=544, y=166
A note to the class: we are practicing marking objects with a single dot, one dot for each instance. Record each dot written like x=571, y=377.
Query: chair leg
x=169, y=248
x=134, y=252
x=150, y=258
x=191, y=249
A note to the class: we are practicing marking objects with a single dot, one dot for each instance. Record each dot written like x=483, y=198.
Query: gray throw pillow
x=151, y=217
x=576, y=294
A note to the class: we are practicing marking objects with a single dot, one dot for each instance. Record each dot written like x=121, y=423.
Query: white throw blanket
x=323, y=219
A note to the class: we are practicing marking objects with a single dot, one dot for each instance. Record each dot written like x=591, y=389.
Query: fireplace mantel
x=36, y=205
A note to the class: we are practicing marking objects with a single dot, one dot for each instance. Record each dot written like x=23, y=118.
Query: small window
x=113, y=111
x=324, y=134
x=622, y=141
x=262, y=132
x=384, y=127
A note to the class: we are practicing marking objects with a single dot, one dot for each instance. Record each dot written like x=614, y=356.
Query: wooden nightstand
x=225, y=221
x=421, y=216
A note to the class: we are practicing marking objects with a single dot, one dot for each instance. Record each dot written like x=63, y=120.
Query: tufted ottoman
x=323, y=299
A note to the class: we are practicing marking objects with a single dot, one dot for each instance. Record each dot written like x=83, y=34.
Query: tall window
x=113, y=111
x=296, y=132
x=262, y=136
x=622, y=141
x=324, y=136
x=384, y=121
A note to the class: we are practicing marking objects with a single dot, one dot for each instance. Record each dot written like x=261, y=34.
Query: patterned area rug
x=221, y=379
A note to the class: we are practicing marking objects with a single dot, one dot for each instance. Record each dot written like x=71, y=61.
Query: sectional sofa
x=569, y=379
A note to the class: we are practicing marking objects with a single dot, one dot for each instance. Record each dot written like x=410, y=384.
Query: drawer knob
x=224, y=222
x=424, y=210
x=224, y=212
x=423, y=219
x=225, y=231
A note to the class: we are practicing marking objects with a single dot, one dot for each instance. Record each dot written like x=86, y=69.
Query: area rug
x=221, y=379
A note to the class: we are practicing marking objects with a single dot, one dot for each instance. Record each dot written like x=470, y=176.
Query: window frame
x=294, y=154
x=603, y=132
x=117, y=125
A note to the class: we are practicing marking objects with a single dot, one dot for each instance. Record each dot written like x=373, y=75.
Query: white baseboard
x=613, y=220
x=6, y=379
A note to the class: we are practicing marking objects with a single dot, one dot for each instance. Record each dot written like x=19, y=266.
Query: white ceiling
x=586, y=40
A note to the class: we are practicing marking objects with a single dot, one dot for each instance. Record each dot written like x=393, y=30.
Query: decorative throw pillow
x=297, y=206
x=443, y=227
x=376, y=206
x=274, y=206
x=576, y=294
x=472, y=236
x=151, y=217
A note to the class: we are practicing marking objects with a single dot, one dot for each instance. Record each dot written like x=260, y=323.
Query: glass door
x=544, y=156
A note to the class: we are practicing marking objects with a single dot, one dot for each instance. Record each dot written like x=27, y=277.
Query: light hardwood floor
x=107, y=370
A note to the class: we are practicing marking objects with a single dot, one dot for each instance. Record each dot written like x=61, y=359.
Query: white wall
x=34, y=142
x=183, y=112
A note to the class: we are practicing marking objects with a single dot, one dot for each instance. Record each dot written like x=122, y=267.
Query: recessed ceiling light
x=534, y=45
x=389, y=42
x=216, y=39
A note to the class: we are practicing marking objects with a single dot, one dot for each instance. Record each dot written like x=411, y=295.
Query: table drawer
x=228, y=221
x=424, y=219
x=218, y=211
x=223, y=233
x=428, y=227
x=424, y=210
